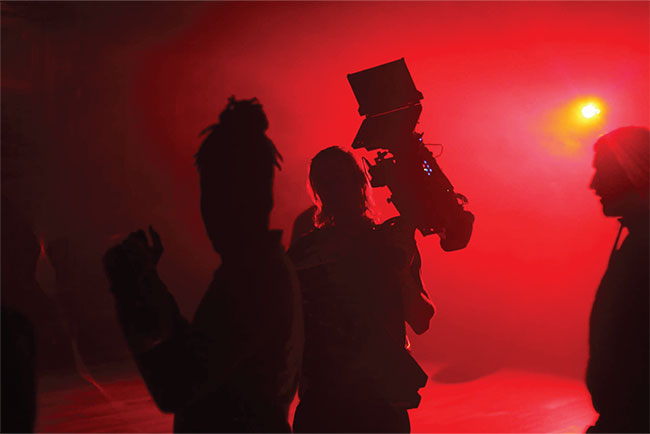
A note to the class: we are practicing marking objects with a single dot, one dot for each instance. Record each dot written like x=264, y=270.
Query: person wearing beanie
x=617, y=371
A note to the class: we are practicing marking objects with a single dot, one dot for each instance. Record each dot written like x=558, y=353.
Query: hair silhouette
x=630, y=147
x=339, y=186
x=236, y=164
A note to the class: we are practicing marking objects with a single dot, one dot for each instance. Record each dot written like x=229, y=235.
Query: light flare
x=589, y=111
x=571, y=128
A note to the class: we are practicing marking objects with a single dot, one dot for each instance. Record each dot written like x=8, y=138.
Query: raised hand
x=133, y=260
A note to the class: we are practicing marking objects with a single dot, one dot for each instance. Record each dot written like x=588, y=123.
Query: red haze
x=127, y=87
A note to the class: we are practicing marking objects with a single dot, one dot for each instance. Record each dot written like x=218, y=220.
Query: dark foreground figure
x=235, y=367
x=360, y=283
x=18, y=373
x=617, y=374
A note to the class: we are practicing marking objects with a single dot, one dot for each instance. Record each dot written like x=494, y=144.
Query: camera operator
x=360, y=282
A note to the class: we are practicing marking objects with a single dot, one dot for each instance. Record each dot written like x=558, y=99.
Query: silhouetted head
x=236, y=164
x=339, y=186
x=621, y=177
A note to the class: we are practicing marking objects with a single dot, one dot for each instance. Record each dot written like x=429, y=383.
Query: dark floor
x=505, y=401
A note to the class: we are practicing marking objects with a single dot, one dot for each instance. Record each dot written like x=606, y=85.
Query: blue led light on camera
x=427, y=168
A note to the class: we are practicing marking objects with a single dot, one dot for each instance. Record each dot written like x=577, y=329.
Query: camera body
x=420, y=191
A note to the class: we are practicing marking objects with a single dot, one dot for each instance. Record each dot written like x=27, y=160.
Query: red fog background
x=102, y=104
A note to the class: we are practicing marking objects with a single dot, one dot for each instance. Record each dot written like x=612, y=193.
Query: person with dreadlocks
x=235, y=367
x=617, y=372
x=360, y=283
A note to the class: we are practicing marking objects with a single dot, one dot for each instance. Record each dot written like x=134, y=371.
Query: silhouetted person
x=18, y=373
x=617, y=374
x=360, y=283
x=235, y=367
x=22, y=292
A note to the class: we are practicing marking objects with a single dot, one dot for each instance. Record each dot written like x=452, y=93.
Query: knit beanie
x=631, y=148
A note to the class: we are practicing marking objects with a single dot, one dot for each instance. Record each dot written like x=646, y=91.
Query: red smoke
x=131, y=85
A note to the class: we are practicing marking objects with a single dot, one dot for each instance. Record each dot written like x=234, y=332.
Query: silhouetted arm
x=238, y=317
x=192, y=361
x=156, y=333
x=418, y=309
x=171, y=370
x=147, y=311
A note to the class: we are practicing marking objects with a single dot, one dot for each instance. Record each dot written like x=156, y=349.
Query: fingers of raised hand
x=157, y=247
x=137, y=243
x=133, y=257
x=137, y=238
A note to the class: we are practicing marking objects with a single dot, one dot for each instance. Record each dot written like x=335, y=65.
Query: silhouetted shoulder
x=307, y=250
x=304, y=223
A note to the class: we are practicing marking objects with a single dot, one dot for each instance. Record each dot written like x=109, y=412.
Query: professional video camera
x=420, y=190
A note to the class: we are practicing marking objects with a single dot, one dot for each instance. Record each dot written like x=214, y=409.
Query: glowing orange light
x=573, y=125
x=589, y=111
